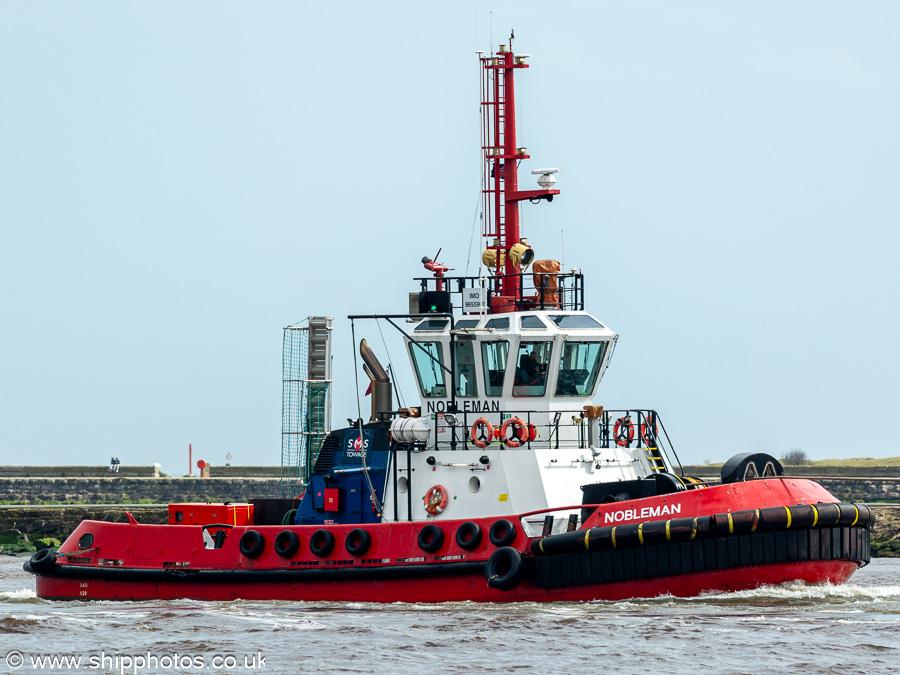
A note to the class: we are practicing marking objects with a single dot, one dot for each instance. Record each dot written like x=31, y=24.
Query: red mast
x=502, y=157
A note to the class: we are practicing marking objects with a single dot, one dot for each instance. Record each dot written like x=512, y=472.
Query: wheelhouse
x=550, y=359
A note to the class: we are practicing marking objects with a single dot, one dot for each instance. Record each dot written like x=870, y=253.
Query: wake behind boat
x=508, y=482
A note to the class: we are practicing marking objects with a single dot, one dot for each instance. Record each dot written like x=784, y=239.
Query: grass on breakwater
x=858, y=461
x=886, y=547
x=13, y=542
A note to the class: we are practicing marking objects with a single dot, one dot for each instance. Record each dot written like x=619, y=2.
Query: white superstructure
x=542, y=367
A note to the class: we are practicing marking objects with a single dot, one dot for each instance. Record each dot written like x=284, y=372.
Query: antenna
x=562, y=239
x=476, y=26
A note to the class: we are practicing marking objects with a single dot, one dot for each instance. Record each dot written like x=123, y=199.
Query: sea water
x=794, y=628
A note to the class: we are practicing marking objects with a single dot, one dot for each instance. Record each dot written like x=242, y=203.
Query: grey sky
x=180, y=180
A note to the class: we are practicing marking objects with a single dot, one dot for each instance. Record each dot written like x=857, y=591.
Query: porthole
x=403, y=484
x=474, y=484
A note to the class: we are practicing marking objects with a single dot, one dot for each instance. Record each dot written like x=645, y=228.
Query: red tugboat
x=508, y=484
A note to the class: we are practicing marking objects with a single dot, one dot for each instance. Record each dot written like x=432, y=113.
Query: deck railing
x=639, y=429
x=541, y=291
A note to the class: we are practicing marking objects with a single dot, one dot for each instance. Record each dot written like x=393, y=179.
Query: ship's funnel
x=382, y=390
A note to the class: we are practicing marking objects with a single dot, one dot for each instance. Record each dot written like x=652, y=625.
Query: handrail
x=558, y=508
x=671, y=445
x=459, y=432
x=565, y=297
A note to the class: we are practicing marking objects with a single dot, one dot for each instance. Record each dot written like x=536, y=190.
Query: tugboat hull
x=718, y=542
x=439, y=588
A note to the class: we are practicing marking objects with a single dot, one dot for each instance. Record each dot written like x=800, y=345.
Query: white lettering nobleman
x=644, y=513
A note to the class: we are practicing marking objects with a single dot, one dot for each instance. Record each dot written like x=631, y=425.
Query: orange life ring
x=520, y=432
x=623, y=431
x=482, y=432
x=436, y=499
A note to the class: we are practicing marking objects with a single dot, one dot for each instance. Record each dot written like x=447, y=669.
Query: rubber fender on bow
x=772, y=519
x=849, y=514
x=656, y=532
x=561, y=569
x=866, y=517
x=252, y=544
x=505, y=569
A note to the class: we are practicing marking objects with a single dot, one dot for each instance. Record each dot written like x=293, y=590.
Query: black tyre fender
x=287, y=543
x=431, y=538
x=321, y=543
x=43, y=560
x=504, y=569
x=502, y=532
x=358, y=542
x=252, y=544
x=469, y=535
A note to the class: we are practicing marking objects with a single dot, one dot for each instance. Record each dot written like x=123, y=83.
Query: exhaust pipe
x=382, y=389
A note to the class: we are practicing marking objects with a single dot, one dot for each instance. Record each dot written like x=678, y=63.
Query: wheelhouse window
x=429, y=361
x=433, y=324
x=464, y=377
x=493, y=356
x=579, y=366
x=498, y=324
x=531, y=369
x=566, y=321
x=532, y=323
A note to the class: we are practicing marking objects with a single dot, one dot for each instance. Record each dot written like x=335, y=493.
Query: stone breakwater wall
x=862, y=490
x=886, y=531
x=58, y=522
x=127, y=490
x=132, y=471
